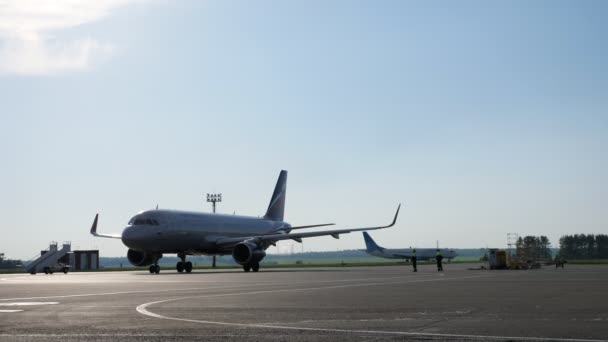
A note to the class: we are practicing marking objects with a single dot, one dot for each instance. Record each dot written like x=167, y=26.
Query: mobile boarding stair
x=49, y=259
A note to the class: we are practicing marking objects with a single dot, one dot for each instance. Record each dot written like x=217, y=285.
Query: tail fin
x=370, y=243
x=276, y=208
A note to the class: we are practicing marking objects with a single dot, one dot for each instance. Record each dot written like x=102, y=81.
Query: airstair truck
x=50, y=259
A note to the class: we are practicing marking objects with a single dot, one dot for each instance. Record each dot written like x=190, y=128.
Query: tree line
x=584, y=246
x=533, y=248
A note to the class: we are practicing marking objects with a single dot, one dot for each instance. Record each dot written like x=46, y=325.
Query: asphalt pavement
x=388, y=303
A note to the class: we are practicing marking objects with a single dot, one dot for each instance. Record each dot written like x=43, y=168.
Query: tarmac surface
x=388, y=303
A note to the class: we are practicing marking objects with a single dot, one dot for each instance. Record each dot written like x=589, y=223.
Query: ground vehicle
x=59, y=267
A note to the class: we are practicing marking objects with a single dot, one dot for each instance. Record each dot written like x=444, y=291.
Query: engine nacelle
x=137, y=258
x=247, y=253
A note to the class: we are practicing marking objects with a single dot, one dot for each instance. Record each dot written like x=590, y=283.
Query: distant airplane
x=152, y=233
x=405, y=253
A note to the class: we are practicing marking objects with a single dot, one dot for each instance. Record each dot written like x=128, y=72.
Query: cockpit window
x=143, y=221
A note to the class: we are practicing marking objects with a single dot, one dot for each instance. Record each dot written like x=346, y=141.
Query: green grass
x=11, y=270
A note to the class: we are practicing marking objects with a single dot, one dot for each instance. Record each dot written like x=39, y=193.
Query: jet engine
x=137, y=258
x=248, y=253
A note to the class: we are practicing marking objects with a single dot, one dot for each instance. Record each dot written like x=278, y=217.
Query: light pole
x=214, y=198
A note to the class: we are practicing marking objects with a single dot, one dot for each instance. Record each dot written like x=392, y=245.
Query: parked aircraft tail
x=370, y=243
x=276, y=208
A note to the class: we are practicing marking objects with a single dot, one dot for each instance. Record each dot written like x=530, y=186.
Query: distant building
x=83, y=260
x=8, y=263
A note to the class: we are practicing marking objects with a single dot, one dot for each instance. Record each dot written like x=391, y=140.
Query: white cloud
x=27, y=43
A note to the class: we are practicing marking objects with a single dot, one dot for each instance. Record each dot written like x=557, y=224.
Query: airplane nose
x=129, y=236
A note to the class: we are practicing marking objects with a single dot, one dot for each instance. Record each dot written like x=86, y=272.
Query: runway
x=340, y=304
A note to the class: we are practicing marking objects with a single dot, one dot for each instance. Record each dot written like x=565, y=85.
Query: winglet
x=95, y=233
x=94, y=226
x=396, y=214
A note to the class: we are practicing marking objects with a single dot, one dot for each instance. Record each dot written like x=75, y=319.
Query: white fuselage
x=407, y=253
x=173, y=231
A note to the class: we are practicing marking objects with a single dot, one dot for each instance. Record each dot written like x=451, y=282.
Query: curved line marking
x=143, y=309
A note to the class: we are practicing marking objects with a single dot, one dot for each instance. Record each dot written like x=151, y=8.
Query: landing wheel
x=152, y=269
x=255, y=267
x=180, y=267
x=188, y=267
x=246, y=268
x=157, y=269
x=46, y=270
x=65, y=270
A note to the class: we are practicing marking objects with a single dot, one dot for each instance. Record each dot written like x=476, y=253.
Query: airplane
x=404, y=253
x=152, y=233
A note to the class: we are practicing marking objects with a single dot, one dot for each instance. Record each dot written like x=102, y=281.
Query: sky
x=481, y=118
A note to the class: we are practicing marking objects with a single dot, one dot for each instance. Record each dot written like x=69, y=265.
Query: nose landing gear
x=154, y=268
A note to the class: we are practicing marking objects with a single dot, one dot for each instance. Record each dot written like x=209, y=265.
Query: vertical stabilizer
x=370, y=243
x=276, y=208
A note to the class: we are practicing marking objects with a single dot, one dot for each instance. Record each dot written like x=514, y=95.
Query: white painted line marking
x=9, y=311
x=28, y=303
x=144, y=311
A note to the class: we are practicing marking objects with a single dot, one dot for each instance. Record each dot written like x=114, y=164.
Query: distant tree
x=567, y=248
x=533, y=247
x=545, y=247
x=582, y=246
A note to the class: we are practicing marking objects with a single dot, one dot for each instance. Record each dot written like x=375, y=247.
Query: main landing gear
x=183, y=265
x=154, y=269
x=251, y=267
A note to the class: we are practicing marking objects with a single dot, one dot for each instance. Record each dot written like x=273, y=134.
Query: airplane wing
x=94, y=230
x=301, y=227
x=228, y=242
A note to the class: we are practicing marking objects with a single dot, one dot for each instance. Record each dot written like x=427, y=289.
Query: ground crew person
x=439, y=258
x=414, y=260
